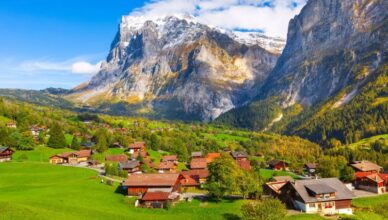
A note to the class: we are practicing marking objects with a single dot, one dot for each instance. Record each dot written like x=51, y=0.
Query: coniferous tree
x=57, y=138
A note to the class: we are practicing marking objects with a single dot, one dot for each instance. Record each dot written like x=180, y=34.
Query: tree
x=57, y=138
x=75, y=144
x=223, y=176
x=249, y=185
x=102, y=138
x=268, y=209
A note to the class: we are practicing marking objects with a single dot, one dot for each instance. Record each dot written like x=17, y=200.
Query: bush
x=167, y=205
x=268, y=209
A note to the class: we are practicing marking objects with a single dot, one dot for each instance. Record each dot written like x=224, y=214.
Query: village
x=168, y=185
x=157, y=179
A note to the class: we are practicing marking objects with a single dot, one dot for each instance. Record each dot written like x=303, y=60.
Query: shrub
x=268, y=209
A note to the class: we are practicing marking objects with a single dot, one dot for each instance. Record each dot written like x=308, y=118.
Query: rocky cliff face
x=175, y=65
x=331, y=45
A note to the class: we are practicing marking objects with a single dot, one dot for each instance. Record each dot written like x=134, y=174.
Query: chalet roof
x=81, y=153
x=211, y=156
x=155, y=196
x=170, y=158
x=166, y=165
x=276, y=186
x=196, y=154
x=375, y=177
x=283, y=179
x=365, y=166
x=129, y=164
x=189, y=181
x=341, y=191
x=239, y=154
x=245, y=164
x=197, y=174
x=117, y=158
x=275, y=162
x=311, y=165
x=136, y=145
x=198, y=163
x=152, y=179
x=2, y=149
x=320, y=188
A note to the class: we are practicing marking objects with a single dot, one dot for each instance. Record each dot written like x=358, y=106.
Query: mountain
x=330, y=83
x=175, y=67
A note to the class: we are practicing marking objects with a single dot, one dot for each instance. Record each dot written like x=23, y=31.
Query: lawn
x=268, y=174
x=365, y=143
x=39, y=154
x=43, y=191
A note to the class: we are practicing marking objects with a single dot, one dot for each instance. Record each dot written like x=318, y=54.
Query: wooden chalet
x=372, y=182
x=132, y=166
x=278, y=165
x=327, y=196
x=117, y=158
x=139, y=184
x=167, y=167
x=197, y=154
x=11, y=124
x=240, y=155
x=157, y=199
x=366, y=166
x=199, y=175
x=5, y=154
x=170, y=158
x=136, y=147
x=198, y=163
x=75, y=157
x=189, y=182
x=310, y=168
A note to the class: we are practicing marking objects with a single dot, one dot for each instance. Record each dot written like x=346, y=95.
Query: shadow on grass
x=230, y=216
x=121, y=190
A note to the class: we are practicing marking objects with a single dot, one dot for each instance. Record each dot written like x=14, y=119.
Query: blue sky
x=55, y=31
x=60, y=43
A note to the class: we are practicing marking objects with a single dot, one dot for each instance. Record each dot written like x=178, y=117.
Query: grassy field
x=39, y=154
x=268, y=174
x=43, y=191
x=365, y=143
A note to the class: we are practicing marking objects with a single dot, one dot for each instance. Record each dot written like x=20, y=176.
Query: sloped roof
x=129, y=164
x=2, y=149
x=155, y=196
x=189, y=181
x=196, y=154
x=341, y=191
x=136, y=145
x=200, y=173
x=276, y=161
x=245, y=164
x=81, y=153
x=320, y=188
x=170, y=158
x=152, y=179
x=365, y=166
x=166, y=165
x=239, y=154
x=311, y=165
x=198, y=163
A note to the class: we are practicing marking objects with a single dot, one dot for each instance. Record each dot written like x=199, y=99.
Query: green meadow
x=31, y=190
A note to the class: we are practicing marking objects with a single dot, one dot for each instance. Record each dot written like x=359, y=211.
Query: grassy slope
x=42, y=191
x=40, y=154
x=367, y=141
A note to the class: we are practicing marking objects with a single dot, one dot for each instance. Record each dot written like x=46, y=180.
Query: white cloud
x=72, y=66
x=270, y=16
x=85, y=68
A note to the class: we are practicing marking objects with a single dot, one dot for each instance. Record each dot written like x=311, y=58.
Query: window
x=312, y=205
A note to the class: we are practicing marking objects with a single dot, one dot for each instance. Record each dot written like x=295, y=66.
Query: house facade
x=76, y=157
x=132, y=166
x=326, y=196
x=6, y=154
x=136, y=147
x=372, y=182
x=139, y=184
x=278, y=165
